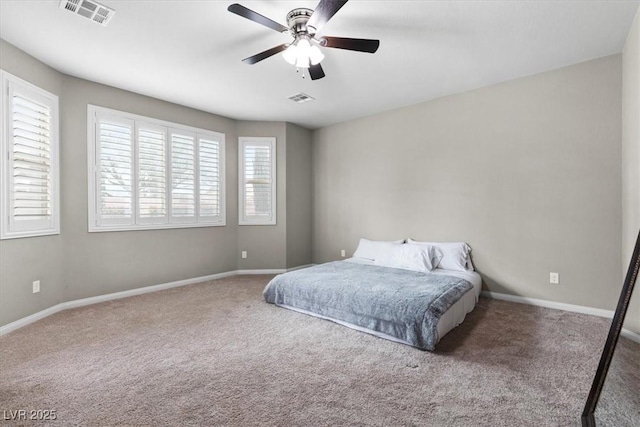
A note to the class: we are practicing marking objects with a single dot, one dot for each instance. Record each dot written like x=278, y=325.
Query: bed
x=409, y=307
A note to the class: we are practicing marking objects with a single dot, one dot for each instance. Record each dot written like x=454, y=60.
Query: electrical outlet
x=36, y=286
x=244, y=254
x=554, y=278
x=343, y=253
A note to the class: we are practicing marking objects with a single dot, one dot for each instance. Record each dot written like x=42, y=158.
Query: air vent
x=301, y=98
x=98, y=13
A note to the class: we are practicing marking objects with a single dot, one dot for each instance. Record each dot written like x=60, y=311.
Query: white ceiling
x=190, y=52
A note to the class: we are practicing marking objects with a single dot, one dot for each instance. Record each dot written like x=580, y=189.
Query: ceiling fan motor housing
x=297, y=21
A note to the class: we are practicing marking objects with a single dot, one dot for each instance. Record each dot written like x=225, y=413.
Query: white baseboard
x=139, y=291
x=10, y=327
x=300, y=267
x=562, y=306
x=550, y=304
x=263, y=271
x=630, y=335
x=273, y=270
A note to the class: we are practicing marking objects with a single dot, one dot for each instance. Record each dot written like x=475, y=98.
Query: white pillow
x=368, y=249
x=422, y=258
x=455, y=255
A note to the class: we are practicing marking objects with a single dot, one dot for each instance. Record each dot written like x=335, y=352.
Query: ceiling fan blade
x=323, y=12
x=256, y=17
x=264, y=55
x=360, y=45
x=316, y=72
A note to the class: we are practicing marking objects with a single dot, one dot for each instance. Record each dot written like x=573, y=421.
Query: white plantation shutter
x=257, y=181
x=183, y=174
x=30, y=166
x=210, y=178
x=152, y=174
x=257, y=184
x=31, y=159
x=149, y=174
x=114, y=170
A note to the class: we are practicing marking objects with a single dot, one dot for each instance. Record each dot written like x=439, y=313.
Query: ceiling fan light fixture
x=303, y=62
x=304, y=49
x=315, y=55
x=302, y=53
x=291, y=54
x=303, y=46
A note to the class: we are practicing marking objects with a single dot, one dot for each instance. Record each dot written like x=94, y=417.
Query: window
x=150, y=174
x=183, y=176
x=29, y=160
x=257, y=166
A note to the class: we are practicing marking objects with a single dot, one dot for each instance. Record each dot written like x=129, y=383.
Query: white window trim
x=242, y=218
x=92, y=112
x=9, y=80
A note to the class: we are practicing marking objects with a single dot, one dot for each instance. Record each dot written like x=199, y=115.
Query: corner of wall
x=266, y=245
x=299, y=196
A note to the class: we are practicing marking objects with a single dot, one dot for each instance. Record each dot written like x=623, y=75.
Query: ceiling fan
x=303, y=25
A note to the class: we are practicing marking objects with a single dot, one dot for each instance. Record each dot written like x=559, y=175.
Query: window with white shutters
x=150, y=174
x=183, y=170
x=210, y=177
x=29, y=165
x=257, y=163
x=115, y=171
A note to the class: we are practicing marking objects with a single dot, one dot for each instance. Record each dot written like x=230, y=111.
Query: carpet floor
x=214, y=354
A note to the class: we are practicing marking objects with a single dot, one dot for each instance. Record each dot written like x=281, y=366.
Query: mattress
x=451, y=309
x=457, y=313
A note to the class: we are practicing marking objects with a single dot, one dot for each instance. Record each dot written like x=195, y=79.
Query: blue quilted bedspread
x=400, y=303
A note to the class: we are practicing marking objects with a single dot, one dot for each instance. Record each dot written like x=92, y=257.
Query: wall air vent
x=98, y=13
x=301, y=98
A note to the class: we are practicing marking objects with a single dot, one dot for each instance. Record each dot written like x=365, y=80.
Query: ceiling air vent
x=301, y=98
x=92, y=10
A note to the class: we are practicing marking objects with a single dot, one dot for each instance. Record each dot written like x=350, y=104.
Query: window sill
x=26, y=234
x=103, y=229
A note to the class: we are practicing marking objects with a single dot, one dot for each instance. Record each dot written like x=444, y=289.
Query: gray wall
x=288, y=243
x=78, y=264
x=299, y=196
x=100, y=263
x=266, y=244
x=631, y=159
x=36, y=258
x=527, y=172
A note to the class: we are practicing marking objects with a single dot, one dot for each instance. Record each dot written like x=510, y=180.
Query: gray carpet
x=216, y=354
x=619, y=403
